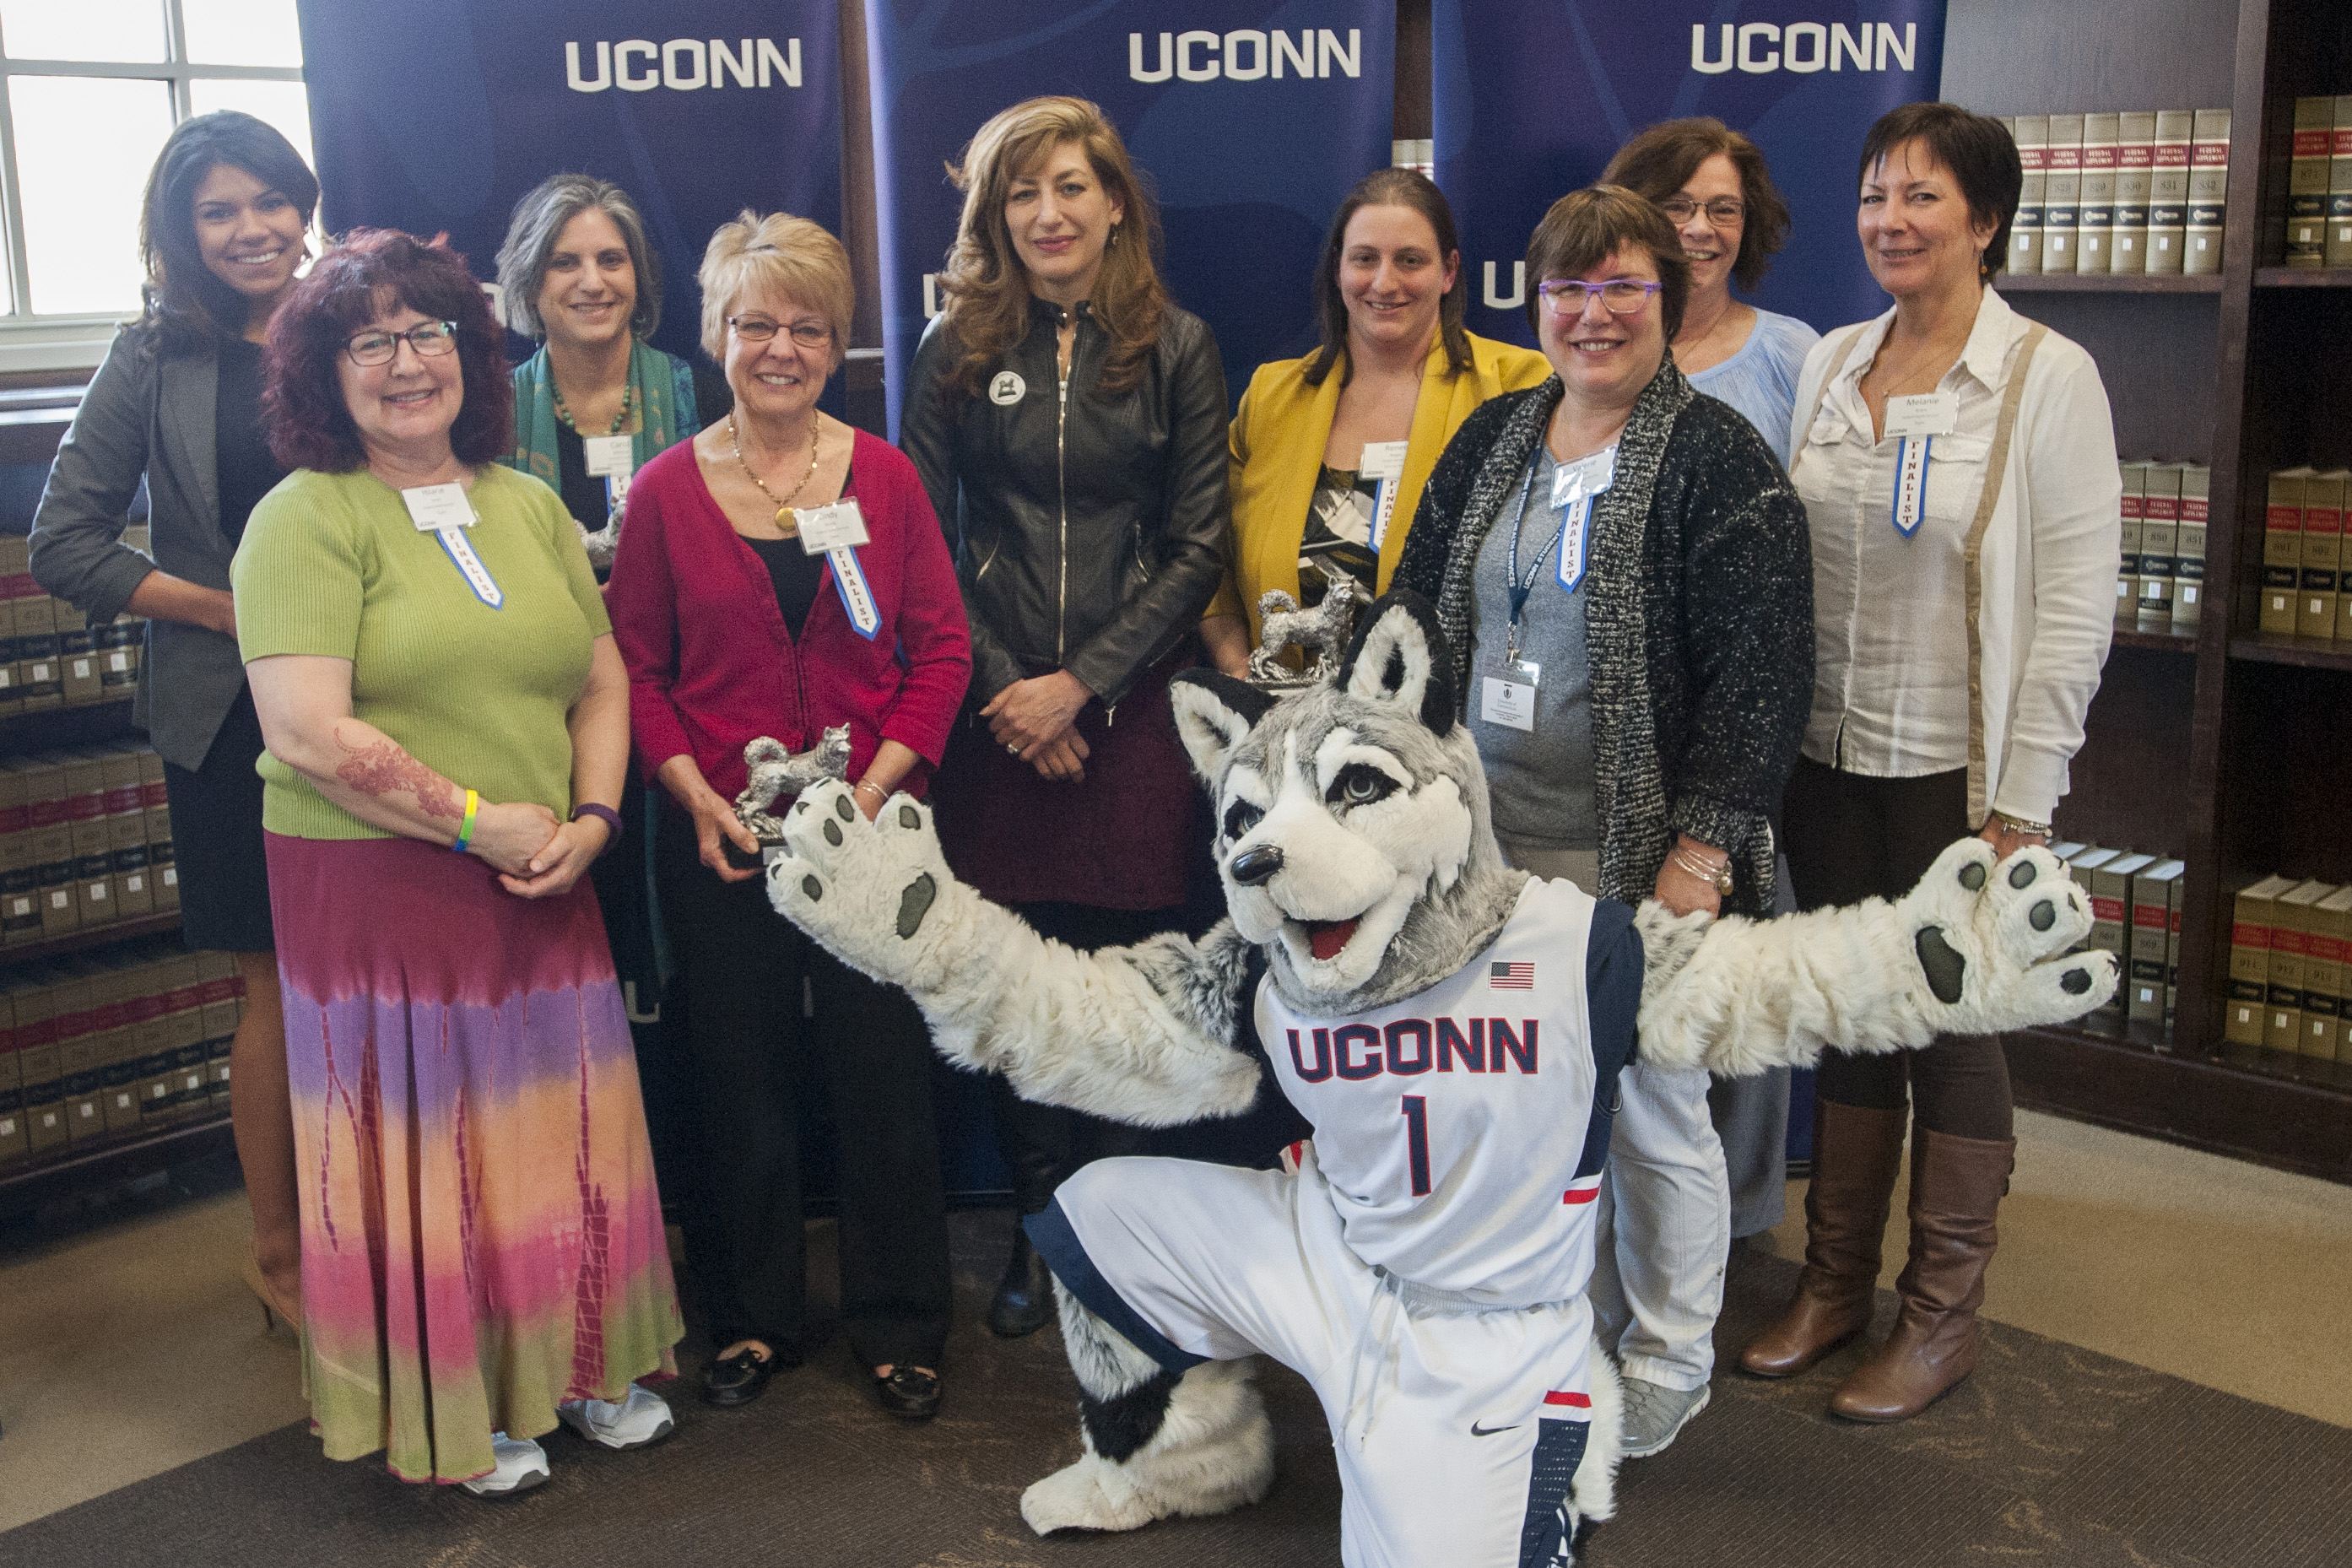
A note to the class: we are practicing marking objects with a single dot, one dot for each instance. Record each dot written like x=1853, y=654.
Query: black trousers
x=1849, y=838
x=753, y=1055
x=1043, y=1145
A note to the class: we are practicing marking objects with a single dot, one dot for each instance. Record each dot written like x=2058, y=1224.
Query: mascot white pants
x=1453, y=1031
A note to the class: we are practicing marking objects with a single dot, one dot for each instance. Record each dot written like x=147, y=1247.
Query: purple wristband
x=605, y=814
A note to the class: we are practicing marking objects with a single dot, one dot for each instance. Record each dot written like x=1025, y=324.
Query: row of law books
x=2161, y=581
x=85, y=840
x=2319, y=183
x=2144, y=191
x=50, y=658
x=2303, y=553
x=106, y=1045
x=2290, y=941
x=2136, y=903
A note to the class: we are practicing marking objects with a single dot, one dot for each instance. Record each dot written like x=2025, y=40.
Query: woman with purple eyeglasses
x=1623, y=572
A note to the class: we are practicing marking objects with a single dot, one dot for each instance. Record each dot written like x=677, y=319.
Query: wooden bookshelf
x=2229, y=757
x=84, y=1167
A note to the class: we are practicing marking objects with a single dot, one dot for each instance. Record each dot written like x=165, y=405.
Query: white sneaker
x=643, y=1417
x=522, y=1465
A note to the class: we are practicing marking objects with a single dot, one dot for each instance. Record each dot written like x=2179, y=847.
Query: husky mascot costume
x=1453, y=1030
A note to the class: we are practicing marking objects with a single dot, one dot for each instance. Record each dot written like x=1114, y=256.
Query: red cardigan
x=711, y=666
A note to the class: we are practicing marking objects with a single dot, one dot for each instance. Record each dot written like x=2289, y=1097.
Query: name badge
x=610, y=454
x=825, y=529
x=436, y=507
x=1509, y=703
x=1586, y=476
x=1383, y=461
x=1931, y=414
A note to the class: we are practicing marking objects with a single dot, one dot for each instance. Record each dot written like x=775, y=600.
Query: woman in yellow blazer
x=1330, y=468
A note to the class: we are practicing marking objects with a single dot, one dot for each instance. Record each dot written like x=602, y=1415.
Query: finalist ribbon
x=857, y=595
x=1911, y=460
x=477, y=577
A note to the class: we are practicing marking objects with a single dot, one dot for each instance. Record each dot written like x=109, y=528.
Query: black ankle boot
x=1023, y=1302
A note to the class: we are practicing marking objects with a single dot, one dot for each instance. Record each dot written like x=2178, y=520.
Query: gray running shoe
x=1655, y=1414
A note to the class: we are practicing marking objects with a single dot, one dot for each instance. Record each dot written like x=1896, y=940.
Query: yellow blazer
x=1276, y=449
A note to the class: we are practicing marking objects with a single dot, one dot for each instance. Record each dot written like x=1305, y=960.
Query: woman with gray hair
x=576, y=272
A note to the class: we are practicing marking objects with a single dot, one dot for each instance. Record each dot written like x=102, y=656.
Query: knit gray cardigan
x=1698, y=619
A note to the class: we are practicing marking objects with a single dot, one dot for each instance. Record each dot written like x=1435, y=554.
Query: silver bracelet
x=2018, y=824
x=1717, y=877
x=869, y=784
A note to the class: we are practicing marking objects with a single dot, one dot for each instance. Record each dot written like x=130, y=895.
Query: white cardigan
x=1898, y=689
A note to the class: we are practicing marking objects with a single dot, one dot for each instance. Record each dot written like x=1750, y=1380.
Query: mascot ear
x=1401, y=656
x=1213, y=714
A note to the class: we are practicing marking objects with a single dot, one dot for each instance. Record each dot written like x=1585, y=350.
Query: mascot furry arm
x=1360, y=863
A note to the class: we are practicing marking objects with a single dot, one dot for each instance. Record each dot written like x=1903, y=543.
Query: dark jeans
x=1849, y=838
x=753, y=1054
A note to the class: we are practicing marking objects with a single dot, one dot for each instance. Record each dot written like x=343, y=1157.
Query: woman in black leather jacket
x=1069, y=422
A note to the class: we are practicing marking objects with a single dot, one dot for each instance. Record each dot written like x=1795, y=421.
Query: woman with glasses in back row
x=1621, y=567
x=1712, y=184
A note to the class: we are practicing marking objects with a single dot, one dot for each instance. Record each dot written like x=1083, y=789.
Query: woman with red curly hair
x=434, y=672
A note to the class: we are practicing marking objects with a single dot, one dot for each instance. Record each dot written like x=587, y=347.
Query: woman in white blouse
x=1958, y=471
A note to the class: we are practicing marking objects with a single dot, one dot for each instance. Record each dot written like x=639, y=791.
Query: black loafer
x=909, y=1394
x=738, y=1380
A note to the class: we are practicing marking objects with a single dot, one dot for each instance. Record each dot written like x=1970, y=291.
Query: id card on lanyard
x=611, y=458
x=1913, y=423
x=444, y=511
x=834, y=532
x=1509, y=698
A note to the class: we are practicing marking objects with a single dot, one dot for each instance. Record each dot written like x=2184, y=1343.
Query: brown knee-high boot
x=1957, y=1184
x=1856, y=1151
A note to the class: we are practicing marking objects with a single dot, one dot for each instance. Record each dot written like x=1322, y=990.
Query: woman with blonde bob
x=1069, y=422
x=732, y=628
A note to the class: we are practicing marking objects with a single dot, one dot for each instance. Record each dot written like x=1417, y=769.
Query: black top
x=243, y=468
x=584, y=493
x=796, y=575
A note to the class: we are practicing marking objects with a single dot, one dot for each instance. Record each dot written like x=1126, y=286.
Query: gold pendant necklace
x=786, y=519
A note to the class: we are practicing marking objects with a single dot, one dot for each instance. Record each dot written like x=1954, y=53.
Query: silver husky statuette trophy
x=778, y=774
x=1322, y=633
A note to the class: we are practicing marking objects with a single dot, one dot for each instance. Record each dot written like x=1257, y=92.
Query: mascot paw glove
x=1995, y=941
x=866, y=891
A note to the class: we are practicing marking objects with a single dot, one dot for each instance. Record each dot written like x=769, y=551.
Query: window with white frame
x=89, y=90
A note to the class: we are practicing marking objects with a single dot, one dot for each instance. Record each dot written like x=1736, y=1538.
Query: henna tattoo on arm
x=381, y=767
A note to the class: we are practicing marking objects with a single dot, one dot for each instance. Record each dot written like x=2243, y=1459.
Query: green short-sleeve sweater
x=331, y=565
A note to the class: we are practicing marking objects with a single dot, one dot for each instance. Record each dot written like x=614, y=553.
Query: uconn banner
x=432, y=115
x=1532, y=98
x=1250, y=119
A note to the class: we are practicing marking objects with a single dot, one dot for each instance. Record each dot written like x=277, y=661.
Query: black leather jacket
x=1087, y=538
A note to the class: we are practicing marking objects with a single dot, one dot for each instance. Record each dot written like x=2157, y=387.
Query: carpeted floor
x=2049, y=1455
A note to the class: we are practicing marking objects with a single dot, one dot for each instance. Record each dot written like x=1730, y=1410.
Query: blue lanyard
x=1520, y=590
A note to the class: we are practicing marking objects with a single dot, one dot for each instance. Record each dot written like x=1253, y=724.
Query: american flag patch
x=1511, y=977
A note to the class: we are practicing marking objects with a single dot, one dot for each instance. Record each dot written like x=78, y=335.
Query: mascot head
x=1353, y=830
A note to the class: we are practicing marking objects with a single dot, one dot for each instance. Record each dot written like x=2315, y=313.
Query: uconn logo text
x=1762, y=48
x=683, y=64
x=1247, y=54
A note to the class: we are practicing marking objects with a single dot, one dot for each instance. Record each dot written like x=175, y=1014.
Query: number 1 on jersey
x=1416, y=1141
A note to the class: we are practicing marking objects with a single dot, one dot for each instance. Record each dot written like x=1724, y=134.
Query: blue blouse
x=1760, y=380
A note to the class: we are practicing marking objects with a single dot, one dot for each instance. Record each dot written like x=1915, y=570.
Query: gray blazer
x=146, y=414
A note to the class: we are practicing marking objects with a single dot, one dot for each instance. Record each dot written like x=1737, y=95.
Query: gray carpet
x=2049, y=1455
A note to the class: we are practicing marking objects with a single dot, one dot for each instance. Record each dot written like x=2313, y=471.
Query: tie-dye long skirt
x=481, y=1236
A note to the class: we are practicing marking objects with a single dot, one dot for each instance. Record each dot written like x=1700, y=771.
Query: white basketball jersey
x=1450, y=1125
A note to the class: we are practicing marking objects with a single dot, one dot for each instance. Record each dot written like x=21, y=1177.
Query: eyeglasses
x=1723, y=212
x=759, y=330
x=382, y=348
x=1622, y=296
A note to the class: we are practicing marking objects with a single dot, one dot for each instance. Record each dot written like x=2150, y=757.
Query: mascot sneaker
x=522, y=1465
x=1655, y=1414
x=1453, y=1030
x=643, y=1417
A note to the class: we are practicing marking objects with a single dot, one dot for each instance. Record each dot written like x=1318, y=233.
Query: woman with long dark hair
x=1068, y=421
x=178, y=403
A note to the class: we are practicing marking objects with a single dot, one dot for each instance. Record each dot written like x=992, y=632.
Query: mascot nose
x=1256, y=866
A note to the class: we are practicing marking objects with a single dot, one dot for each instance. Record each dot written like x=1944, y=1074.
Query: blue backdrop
x=1249, y=151
x=432, y=115
x=1532, y=97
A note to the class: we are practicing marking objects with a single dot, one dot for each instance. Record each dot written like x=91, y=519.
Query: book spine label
x=2128, y=570
x=2282, y=557
x=2061, y=193
x=2134, y=170
x=2160, y=527
x=2032, y=133
x=2167, y=195
x=2208, y=192
x=2337, y=250
x=2094, y=212
x=2322, y=524
x=2307, y=181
